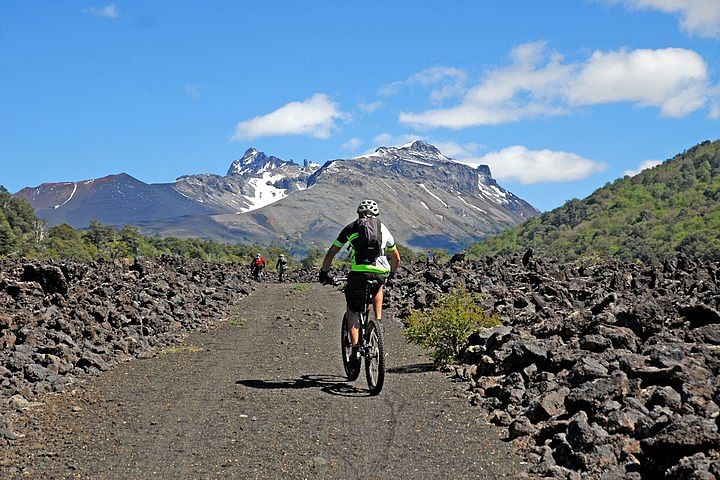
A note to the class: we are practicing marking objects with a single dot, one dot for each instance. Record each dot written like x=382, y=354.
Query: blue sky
x=558, y=97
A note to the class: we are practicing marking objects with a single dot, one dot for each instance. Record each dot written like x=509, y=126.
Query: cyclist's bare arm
x=394, y=259
x=327, y=261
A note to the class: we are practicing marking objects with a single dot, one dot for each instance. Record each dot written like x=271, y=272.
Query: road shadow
x=413, y=368
x=330, y=384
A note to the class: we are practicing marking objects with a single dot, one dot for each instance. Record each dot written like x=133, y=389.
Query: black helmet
x=368, y=208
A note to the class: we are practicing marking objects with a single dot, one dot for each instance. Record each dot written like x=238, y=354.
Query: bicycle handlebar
x=337, y=280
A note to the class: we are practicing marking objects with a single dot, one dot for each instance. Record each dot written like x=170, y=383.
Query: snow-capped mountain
x=426, y=198
x=252, y=182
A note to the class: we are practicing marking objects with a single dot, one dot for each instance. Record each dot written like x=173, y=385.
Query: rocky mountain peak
x=484, y=170
x=414, y=149
x=420, y=146
x=254, y=162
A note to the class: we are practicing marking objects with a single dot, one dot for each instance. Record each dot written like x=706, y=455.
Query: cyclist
x=257, y=266
x=281, y=266
x=366, y=263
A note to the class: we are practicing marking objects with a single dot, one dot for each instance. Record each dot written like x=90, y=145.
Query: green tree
x=130, y=236
x=99, y=234
x=7, y=237
x=313, y=258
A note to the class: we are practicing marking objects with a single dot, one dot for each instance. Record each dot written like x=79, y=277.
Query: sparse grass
x=236, y=322
x=181, y=348
x=301, y=286
x=448, y=325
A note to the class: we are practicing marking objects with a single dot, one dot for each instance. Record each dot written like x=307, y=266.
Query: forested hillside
x=671, y=208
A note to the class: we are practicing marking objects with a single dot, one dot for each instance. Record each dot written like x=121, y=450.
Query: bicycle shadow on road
x=331, y=384
x=413, y=368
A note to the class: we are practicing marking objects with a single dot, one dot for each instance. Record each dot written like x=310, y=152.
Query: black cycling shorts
x=355, y=289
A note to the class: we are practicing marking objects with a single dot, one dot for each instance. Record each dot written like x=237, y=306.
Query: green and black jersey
x=387, y=244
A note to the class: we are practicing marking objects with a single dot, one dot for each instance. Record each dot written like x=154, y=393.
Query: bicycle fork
x=361, y=334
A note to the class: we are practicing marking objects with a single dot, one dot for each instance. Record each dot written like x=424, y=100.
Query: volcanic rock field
x=605, y=370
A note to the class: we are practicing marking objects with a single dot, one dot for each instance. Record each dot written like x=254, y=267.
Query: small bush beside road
x=446, y=327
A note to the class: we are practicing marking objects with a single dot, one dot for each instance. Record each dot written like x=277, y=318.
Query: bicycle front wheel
x=350, y=364
x=375, y=357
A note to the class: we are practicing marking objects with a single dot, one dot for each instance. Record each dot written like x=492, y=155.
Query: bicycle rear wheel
x=351, y=365
x=375, y=357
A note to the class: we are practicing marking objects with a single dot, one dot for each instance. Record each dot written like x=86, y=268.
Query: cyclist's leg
x=377, y=300
x=355, y=300
x=377, y=303
x=353, y=323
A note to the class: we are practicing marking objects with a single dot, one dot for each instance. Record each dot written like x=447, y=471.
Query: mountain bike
x=258, y=273
x=372, y=344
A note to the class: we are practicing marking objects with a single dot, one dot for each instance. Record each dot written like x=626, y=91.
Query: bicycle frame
x=371, y=345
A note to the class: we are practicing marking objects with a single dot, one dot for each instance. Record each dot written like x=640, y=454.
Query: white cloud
x=108, y=11
x=538, y=83
x=644, y=165
x=715, y=111
x=701, y=17
x=316, y=117
x=450, y=82
x=369, y=107
x=518, y=163
x=672, y=79
x=387, y=140
x=195, y=91
x=456, y=150
x=352, y=145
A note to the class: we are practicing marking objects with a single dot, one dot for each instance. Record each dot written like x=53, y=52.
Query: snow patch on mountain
x=72, y=194
x=390, y=188
x=422, y=185
x=492, y=191
x=265, y=191
x=470, y=204
x=417, y=162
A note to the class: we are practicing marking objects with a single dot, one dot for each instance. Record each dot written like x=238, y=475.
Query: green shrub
x=446, y=327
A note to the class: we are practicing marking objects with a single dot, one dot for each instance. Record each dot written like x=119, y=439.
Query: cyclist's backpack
x=368, y=244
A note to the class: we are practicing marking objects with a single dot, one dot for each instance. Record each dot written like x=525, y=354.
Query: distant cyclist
x=257, y=266
x=281, y=267
x=369, y=241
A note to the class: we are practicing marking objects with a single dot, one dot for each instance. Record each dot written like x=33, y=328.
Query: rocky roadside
x=62, y=322
x=600, y=371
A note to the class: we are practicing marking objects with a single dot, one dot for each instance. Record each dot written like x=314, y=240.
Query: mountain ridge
x=433, y=200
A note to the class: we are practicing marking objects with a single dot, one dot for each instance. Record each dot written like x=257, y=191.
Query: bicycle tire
x=375, y=357
x=351, y=365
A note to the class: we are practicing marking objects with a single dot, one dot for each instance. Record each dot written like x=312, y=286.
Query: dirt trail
x=263, y=397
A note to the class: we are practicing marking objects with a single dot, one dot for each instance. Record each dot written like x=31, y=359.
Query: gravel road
x=263, y=396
